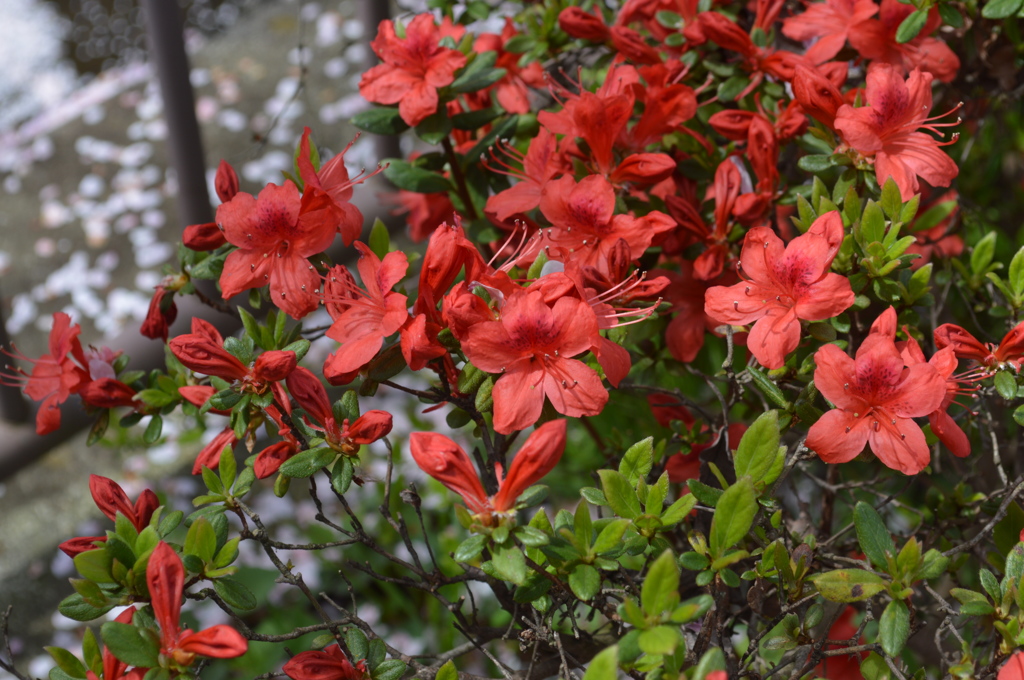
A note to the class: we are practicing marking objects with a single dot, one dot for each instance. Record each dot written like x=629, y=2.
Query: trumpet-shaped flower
x=414, y=68
x=275, y=233
x=887, y=130
x=532, y=346
x=363, y=317
x=448, y=463
x=783, y=285
x=876, y=398
x=165, y=578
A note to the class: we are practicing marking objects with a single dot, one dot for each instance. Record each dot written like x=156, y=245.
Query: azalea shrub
x=699, y=359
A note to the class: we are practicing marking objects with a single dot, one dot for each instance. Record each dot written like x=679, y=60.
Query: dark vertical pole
x=371, y=13
x=167, y=52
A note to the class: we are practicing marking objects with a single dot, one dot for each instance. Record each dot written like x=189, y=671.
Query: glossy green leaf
x=734, y=516
x=872, y=534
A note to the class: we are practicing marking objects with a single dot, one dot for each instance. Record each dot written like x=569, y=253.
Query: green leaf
x=1006, y=385
x=611, y=536
x=380, y=239
x=308, y=462
x=447, y=672
x=380, y=121
x=951, y=15
x=434, y=128
x=768, y=387
x=342, y=474
x=815, y=163
x=730, y=88
x=67, y=662
x=981, y=256
x=1015, y=275
x=479, y=74
x=509, y=564
x=391, y=669
x=912, y=25
x=585, y=582
x=894, y=627
x=604, y=666
x=620, y=494
x=638, y=460
x=678, y=510
x=660, y=590
x=95, y=565
x=848, y=585
x=235, y=593
x=734, y=516
x=130, y=645
x=470, y=548
x=407, y=176
x=693, y=609
x=201, y=540
x=1001, y=9
x=872, y=224
x=659, y=640
x=873, y=536
x=758, y=447
x=357, y=642
x=892, y=201
x=77, y=609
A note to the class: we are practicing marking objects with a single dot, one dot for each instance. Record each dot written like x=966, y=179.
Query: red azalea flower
x=532, y=346
x=829, y=22
x=784, y=283
x=875, y=39
x=328, y=664
x=584, y=223
x=165, y=577
x=275, y=234
x=1013, y=669
x=1009, y=351
x=309, y=393
x=114, y=668
x=887, y=130
x=876, y=399
x=445, y=461
x=363, y=317
x=414, y=68
x=333, y=183
x=540, y=164
x=111, y=499
x=55, y=376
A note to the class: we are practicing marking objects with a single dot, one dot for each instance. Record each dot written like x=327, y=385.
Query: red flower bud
x=203, y=237
x=107, y=393
x=162, y=313
x=329, y=664
x=817, y=95
x=644, y=168
x=580, y=24
x=274, y=365
x=370, y=427
x=309, y=393
x=732, y=124
x=445, y=461
x=226, y=182
x=631, y=45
